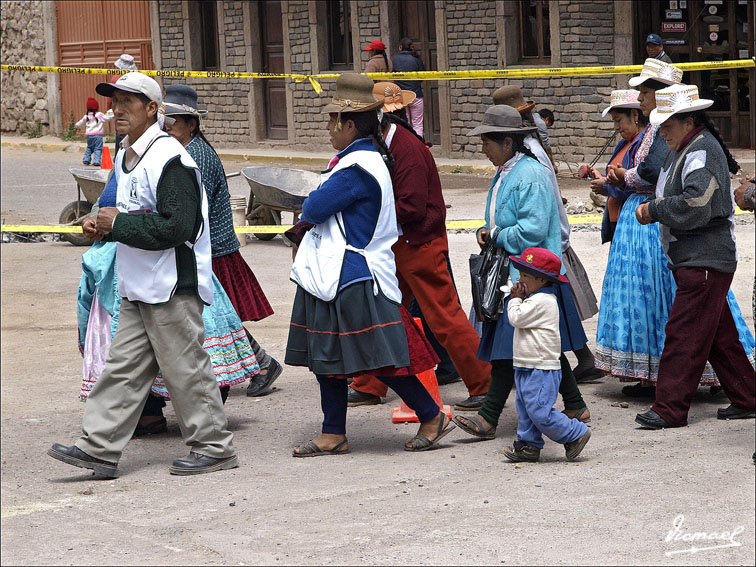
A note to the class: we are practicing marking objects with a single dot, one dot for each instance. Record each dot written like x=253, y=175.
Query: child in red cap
x=534, y=313
x=94, y=120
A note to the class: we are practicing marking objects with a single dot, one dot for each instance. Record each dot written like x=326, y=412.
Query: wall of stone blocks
x=226, y=100
x=23, y=94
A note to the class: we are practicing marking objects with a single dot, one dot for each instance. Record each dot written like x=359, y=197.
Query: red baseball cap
x=541, y=263
x=375, y=45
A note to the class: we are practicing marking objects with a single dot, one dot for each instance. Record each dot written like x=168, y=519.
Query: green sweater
x=179, y=220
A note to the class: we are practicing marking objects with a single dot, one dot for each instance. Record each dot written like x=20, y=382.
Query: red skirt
x=242, y=287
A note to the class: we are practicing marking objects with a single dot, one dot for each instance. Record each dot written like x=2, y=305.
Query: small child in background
x=548, y=117
x=94, y=121
x=534, y=313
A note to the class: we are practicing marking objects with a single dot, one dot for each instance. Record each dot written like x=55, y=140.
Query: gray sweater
x=694, y=206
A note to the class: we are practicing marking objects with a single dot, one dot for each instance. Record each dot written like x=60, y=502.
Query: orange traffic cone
x=404, y=413
x=106, y=162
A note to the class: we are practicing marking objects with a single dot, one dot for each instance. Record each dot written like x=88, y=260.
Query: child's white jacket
x=537, y=343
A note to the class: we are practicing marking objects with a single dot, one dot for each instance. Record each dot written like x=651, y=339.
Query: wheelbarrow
x=273, y=190
x=90, y=183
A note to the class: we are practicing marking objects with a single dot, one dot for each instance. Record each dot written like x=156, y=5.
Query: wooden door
x=709, y=30
x=274, y=97
x=95, y=34
x=418, y=22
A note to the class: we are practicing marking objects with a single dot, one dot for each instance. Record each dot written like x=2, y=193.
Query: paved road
x=461, y=504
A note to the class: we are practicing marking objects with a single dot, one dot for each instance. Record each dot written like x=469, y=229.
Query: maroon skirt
x=242, y=287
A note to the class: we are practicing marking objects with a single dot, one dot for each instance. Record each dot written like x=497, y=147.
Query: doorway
x=709, y=30
x=417, y=20
x=274, y=90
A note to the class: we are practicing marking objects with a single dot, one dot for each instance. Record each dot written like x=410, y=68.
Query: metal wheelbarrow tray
x=273, y=190
x=91, y=183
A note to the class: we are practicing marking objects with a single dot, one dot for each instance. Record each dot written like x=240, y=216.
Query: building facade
x=312, y=37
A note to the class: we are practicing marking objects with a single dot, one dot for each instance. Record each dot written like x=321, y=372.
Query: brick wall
x=23, y=94
x=369, y=14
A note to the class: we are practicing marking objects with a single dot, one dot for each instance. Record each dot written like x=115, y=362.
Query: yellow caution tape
x=281, y=228
x=417, y=76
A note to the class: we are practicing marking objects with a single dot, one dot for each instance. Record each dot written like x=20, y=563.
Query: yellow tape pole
x=279, y=229
x=417, y=76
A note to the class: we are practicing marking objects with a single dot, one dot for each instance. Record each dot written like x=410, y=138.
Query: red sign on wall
x=674, y=27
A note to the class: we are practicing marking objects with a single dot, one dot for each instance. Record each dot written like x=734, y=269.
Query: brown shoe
x=522, y=453
x=574, y=448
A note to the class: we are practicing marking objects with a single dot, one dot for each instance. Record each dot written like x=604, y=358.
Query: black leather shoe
x=651, y=420
x=473, y=403
x=260, y=384
x=74, y=456
x=201, y=464
x=734, y=412
x=357, y=398
x=448, y=378
x=522, y=453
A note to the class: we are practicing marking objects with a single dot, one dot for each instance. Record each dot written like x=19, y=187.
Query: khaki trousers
x=152, y=338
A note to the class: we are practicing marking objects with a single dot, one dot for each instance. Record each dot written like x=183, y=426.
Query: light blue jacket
x=525, y=211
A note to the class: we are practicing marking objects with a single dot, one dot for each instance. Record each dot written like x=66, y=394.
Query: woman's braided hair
x=700, y=118
x=366, y=124
x=399, y=117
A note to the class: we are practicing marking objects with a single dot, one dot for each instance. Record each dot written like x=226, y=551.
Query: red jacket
x=420, y=207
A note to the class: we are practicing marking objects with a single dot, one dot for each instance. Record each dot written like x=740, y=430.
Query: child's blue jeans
x=536, y=394
x=94, y=150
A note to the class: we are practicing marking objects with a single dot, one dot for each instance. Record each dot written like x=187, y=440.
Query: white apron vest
x=151, y=275
x=317, y=268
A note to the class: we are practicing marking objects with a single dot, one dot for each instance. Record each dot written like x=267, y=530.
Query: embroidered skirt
x=242, y=287
x=356, y=333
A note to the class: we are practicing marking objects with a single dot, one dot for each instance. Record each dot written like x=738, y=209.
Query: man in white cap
x=163, y=256
x=125, y=63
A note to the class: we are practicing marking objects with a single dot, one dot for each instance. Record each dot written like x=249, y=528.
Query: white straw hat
x=676, y=99
x=658, y=71
x=626, y=98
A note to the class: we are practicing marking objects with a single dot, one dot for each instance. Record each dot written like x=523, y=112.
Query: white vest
x=317, y=268
x=151, y=275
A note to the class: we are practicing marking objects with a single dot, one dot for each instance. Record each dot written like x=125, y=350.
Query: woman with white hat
x=624, y=350
x=237, y=279
x=695, y=209
x=347, y=317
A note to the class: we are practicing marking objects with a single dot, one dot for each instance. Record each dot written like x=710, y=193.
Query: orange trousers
x=422, y=273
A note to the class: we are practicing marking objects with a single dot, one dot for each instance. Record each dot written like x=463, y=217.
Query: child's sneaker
x=85, y=162
x=96, y=164
x=574, y=448
x=522, y=452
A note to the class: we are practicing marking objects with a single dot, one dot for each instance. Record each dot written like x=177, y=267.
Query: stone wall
x=472, y=44
x=23, y=94
x=226, y=100
x=369, y=16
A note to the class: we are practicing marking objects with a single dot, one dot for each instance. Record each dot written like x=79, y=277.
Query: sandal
x=422, y=443
x=474, y=427
x=310, y=449
x=578, y=414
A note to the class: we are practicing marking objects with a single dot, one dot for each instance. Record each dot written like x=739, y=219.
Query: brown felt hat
x=354, y=93
x=512, y=96
x=501, y=118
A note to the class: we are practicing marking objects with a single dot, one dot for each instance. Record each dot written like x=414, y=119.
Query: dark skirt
x=356, y=333
x=241, y=286
x=496, y=339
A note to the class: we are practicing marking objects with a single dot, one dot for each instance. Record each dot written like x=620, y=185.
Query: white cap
x=125, y=62
x=133, y=82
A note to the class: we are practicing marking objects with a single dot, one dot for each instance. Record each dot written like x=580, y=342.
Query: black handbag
x=489, y=270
